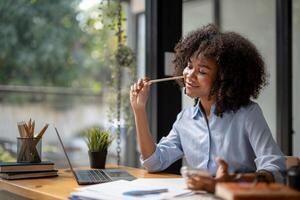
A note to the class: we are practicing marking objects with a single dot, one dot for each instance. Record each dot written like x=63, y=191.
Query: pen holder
x=29, y=150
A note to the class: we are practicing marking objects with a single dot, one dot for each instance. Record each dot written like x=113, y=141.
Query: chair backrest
x=292, y=161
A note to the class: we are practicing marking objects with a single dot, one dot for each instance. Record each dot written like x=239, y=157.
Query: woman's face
x=199, y=76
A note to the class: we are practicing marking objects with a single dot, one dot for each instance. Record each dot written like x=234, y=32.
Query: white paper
x=115, y=190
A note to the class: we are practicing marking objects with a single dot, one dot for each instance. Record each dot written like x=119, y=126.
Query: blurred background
x=57, y=66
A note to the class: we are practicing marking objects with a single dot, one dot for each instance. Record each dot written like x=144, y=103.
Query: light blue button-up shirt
x=243, y=139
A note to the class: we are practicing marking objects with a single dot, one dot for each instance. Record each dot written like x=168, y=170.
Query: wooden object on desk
x=262, y=191
x=292, y=161
x=60, y=187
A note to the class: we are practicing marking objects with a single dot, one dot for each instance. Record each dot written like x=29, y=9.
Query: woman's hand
x=222, y=171
x=198, y=182
x=139, y=93
x=208, y=183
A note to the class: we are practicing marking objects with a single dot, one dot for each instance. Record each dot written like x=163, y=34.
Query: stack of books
x=15, y=170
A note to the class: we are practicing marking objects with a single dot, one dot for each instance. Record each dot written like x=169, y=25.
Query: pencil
x=41, y=133
x=165, y=79
x=32, y=129
x=22, y=130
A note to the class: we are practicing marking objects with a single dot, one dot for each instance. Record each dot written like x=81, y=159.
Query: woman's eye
x=202, y=72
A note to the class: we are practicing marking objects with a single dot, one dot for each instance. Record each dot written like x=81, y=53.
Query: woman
x=225, y=132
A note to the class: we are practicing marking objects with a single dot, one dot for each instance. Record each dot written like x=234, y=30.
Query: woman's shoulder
x=250, y=109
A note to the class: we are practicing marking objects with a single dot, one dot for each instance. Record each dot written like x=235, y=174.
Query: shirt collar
x=198, y=112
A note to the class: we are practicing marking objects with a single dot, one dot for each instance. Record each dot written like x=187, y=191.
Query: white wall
x=195, y=14
x=256, y=20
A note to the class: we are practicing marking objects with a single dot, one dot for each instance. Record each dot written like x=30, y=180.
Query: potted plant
x=98, y=140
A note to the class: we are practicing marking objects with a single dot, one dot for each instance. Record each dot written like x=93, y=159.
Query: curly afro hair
x=241, y=69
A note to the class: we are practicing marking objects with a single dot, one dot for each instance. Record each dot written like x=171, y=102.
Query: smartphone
x=187, y=172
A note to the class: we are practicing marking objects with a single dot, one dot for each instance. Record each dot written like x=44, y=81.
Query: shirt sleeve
x=268, y=155
x=167, y=151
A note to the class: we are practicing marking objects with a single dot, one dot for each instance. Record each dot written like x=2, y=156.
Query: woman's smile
x=191, y=85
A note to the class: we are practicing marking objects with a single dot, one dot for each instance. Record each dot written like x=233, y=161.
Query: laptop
x=94, y=176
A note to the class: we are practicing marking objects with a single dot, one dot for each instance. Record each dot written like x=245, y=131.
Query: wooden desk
x=60, y=187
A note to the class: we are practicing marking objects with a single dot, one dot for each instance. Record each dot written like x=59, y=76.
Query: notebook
x=23, y=175
x=93, y=176
x=26, y=167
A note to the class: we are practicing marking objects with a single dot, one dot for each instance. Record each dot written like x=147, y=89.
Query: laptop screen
x=62, y=145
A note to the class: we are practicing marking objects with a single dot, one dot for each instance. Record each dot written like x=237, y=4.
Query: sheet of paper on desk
x=115, y=190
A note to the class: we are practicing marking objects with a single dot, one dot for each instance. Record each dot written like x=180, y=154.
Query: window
x=56, y=67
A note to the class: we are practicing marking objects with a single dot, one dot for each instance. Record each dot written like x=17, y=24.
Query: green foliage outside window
x=5, y=156
x=53, y=43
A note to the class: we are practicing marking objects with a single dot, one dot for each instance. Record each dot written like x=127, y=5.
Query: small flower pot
x=98, y=159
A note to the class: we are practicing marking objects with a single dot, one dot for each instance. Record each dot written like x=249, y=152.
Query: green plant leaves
x=98, y=139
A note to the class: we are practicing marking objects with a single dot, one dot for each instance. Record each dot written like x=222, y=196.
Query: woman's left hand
x=208, y=184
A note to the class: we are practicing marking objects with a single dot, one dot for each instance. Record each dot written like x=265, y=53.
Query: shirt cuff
x=278, y=177
x=152, y=163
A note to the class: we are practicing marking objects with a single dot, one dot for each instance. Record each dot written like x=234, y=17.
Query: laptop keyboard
x=93, y=176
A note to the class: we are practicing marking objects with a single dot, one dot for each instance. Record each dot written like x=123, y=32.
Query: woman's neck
x=206, y=105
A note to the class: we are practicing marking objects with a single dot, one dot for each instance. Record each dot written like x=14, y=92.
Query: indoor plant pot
x=98, y=140
x=98, y=159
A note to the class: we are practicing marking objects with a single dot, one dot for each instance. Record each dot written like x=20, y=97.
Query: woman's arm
x=268, y=155
x=144, y=137
x=139, y=93
x=154, y=157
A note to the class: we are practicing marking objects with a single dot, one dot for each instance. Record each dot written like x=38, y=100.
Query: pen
x=144, y=192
